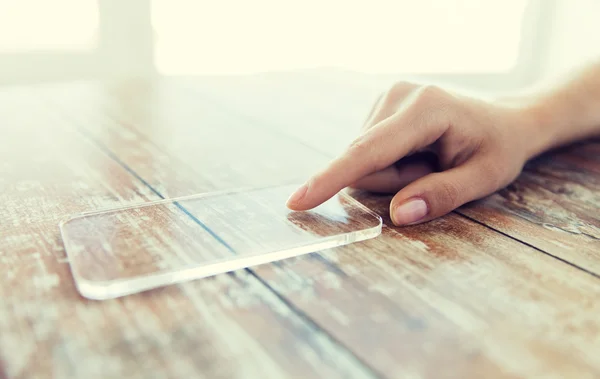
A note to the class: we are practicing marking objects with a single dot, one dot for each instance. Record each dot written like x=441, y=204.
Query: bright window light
x=374, y=36
x=41, y=25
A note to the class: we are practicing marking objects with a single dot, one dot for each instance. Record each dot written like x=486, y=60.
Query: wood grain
x=226, y=327
x=454, y=295
x=447, y=299
x=554, y=206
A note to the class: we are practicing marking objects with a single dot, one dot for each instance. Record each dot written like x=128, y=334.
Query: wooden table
x=506, y=287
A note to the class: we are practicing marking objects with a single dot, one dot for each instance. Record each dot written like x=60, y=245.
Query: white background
x=523, y=41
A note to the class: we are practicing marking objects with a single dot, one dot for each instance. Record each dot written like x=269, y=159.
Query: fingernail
x=298, y=195
x=410, y=212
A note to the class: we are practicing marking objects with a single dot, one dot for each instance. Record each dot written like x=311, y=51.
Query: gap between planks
x=302, y=315
x=459, y=213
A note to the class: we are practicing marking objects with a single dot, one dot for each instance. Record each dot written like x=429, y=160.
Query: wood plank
x=218, y=145
x=225, y=327
x=450, y=294
x=322, y=113
x=553, y=206
x=454, y=295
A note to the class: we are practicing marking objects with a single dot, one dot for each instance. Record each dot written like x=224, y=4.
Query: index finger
x=376, y=149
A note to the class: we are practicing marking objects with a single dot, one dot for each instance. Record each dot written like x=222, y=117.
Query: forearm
x=567, y=112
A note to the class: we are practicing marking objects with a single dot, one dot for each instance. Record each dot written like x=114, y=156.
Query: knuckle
x=430, y=94
x=359, y=150
x=364, y=153
x=397, y=92
x=390, y=99
x=401, y=87
x=357, y=146
x=434, y=107
x=450, y=194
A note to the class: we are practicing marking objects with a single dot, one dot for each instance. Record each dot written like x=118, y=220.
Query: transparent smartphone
x=127, y=250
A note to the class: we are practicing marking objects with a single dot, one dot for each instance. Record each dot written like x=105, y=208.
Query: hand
x=480, y=148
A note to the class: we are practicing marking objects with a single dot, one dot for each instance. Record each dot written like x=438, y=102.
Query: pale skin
x=481, y=145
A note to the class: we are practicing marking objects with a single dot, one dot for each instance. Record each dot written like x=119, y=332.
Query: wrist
x=557, y=118
x=544, y=124
x=531, y=125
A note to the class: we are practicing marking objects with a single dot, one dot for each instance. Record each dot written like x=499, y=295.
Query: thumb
x=439, y=193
